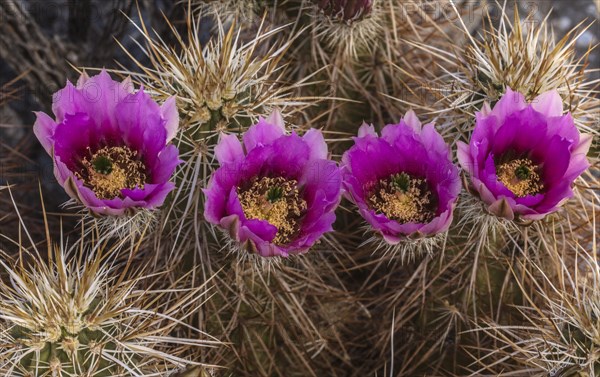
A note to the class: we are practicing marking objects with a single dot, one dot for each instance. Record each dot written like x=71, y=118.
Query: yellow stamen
x=111, y=169
x=277, y=201
x=403, y=198
x=520, y=177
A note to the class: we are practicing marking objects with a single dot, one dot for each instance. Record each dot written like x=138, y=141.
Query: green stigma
x=274, y=194
x=400, y=182
x=102, y=165
x=522, y=172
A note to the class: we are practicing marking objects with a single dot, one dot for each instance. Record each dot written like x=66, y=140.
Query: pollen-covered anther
x=277, y=201
x=520, y=176
x=111, y=169
x=403, y=198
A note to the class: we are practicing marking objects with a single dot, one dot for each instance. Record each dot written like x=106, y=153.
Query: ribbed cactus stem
x=70, y=353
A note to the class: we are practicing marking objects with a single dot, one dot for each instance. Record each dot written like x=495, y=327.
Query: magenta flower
x=523, y=159
x=404, y=182
x=109, y=144
x=276, y=194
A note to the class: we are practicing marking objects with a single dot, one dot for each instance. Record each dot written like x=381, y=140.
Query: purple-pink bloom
x=523, y=158
x=275, y=194
x=110, y=144
x=404, y=182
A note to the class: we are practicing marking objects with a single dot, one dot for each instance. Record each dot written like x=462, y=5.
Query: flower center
x=403, y=198
x=520, y=176
x=111, y=169
x=277, y=201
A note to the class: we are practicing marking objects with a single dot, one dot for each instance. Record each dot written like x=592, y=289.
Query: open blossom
x=404, y=182
x=276, y=194
x=110, y=144
x=523, y=158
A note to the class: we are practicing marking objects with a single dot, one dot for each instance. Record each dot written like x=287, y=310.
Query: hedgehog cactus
x=223, y=85
x=69, y=351
x=521, y=54
x=434, y=214
x=80, y=316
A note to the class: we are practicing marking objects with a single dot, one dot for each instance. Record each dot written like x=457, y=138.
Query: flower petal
x=263, y=133
x=229, y=149
x=73, y=137
x=411, y=119
x=276, y=119
x=549, y=103
x=316, y=142
x=486, y=109
x=434, y=142
x=140, y=123
x=262, y=229
x=510, y=103
x=366, y=129
x=167, y=161
x=464, y=157
x=502, y=208
x=43, y=129
x=169, y=113
x=585, y=142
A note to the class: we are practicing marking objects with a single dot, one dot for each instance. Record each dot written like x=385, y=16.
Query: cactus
x=222, y=85
x=79, y=313
x=486, y=291
x=345, y=10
